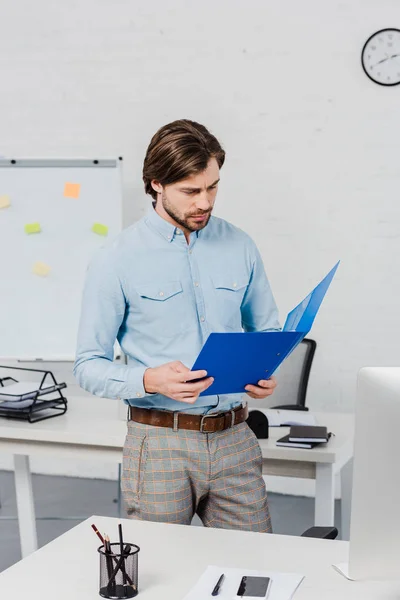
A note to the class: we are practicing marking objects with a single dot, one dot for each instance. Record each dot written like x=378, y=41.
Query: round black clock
x=380, y=57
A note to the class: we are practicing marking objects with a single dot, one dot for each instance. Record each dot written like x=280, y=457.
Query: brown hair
x=178, y=150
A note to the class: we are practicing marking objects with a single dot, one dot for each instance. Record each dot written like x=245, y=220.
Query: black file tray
x=40, y=407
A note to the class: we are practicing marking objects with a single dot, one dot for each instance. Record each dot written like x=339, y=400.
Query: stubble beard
x=183, y=220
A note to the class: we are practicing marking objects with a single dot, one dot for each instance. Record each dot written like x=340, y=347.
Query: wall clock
x=380, y=57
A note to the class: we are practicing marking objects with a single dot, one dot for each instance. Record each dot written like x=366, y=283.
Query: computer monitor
x=375, y=512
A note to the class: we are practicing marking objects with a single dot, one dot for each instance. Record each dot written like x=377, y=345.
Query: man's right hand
x=175, y=381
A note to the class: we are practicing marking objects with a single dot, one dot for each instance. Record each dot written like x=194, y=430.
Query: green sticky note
x=100, y=229
x=32, y=228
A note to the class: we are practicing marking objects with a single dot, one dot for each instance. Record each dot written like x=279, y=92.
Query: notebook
x=285, y=441
x=308, y=433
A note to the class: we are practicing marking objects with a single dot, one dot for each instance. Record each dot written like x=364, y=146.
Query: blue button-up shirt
x=161, y=297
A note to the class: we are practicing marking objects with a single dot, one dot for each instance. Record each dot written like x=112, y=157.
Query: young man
x=161, y=288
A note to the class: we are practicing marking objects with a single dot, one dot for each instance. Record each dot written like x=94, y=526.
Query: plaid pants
x=169, y=476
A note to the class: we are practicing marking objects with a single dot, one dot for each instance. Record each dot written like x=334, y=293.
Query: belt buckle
x=203, y=418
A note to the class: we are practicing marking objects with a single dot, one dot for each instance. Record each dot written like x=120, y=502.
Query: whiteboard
x=40, y=308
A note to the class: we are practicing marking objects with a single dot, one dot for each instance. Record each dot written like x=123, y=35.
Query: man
x=160, y=289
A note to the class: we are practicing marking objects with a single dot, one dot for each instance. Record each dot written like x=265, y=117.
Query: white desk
x=321, y=463
x=172, y=558
x=91, y=429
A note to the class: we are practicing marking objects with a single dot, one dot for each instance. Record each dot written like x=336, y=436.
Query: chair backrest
x=292, y=377
x=375, y=519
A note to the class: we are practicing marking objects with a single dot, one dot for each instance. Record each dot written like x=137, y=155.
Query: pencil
x=109, y=563
x=114, y=558
x=118, y=566
x=97, y=532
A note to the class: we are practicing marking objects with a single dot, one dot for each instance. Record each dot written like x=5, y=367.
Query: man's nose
x=203, y=202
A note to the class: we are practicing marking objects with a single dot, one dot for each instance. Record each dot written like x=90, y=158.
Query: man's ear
x=156, y=185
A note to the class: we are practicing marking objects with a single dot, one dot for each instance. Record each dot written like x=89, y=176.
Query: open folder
x=238, y=359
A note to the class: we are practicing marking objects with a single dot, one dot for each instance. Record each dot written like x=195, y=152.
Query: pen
x=121, y=548
x=218, y=586
x=118, y=566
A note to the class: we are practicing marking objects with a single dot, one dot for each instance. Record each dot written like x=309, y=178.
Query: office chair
x=290, y=394
x=293, y=376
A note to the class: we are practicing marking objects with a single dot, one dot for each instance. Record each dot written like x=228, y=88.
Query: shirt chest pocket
x=161, y=309
x=229, y=293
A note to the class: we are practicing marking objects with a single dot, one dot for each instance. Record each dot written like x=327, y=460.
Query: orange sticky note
x=5, y=202
x=72, y=190
x=41, y=269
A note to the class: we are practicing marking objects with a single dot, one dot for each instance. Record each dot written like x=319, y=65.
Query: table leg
x=119, y=497
x=346, y=483
x=25, y=505
x=324, y=495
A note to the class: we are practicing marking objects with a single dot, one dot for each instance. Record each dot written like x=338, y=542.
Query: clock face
x=380, y=57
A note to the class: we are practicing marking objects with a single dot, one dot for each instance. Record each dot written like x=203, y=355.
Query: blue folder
x=238, y=359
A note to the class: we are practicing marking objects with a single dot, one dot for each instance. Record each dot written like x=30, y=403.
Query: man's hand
x=264, y=388
x=174, y=380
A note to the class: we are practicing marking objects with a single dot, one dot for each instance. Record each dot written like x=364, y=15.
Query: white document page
x=283, y=586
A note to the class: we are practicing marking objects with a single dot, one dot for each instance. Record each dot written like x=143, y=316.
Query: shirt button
x=202, y=319
x=161, y=294
x=138, y=394
x=235, y=284
x=190, y=252
x=196, y=283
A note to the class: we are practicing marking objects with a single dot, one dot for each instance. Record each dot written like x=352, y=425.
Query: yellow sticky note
x=32, y=228
x=100, y=229
x=72, y=190
x=41, y=269
x=5, y=202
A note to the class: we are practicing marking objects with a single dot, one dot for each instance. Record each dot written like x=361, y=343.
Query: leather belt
x=176, y=420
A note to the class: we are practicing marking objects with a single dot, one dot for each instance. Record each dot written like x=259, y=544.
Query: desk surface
x=95, y=422
x=173, y=557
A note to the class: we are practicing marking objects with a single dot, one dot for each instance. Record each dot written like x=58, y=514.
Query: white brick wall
x=312, y=145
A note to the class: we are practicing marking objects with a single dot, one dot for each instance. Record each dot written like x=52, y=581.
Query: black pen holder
x=119, y=573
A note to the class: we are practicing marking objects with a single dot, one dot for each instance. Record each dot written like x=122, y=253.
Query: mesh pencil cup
x=119, y=572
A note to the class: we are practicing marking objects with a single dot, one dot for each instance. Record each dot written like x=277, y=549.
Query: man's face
x=189, y=202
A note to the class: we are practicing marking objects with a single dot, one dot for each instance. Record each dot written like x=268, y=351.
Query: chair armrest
x=324, y=533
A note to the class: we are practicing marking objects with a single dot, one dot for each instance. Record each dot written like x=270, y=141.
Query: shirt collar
x=166, y=229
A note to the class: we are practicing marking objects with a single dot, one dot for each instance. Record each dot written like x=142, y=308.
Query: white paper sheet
x=283, y=586
x=13, y=392
x=343, y=569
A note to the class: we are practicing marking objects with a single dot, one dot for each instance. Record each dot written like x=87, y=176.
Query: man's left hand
x=263, y=389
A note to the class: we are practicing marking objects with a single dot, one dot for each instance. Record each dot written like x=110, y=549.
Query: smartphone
x=254, y=588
